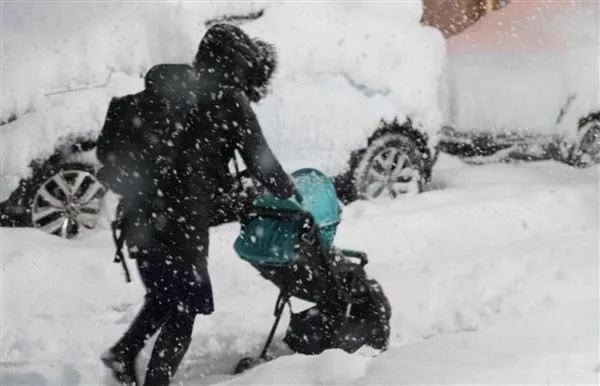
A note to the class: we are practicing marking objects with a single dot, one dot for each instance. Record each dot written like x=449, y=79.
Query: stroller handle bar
x=280, y=213
x=285, y=213
x=364, y=260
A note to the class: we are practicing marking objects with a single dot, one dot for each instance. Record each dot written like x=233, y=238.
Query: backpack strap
x=238, y=175
x=236, y=164
x=118, y=226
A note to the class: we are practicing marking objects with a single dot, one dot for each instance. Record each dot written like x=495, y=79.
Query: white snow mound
x=492, y=280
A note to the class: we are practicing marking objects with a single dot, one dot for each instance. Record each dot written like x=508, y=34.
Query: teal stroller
x=291, y=245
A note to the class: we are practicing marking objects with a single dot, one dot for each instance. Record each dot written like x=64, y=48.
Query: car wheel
x=68, y=201
x=588, y=151
x=391, y=166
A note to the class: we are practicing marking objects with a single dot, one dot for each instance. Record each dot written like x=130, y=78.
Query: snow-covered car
x=524, y=81
x=356, y=94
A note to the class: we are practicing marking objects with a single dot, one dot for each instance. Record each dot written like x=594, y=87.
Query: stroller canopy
x=274, y=241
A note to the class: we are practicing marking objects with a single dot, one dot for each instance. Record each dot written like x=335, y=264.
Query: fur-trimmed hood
x=227, y=52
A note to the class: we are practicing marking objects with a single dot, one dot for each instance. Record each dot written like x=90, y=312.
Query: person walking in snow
x=167, y=230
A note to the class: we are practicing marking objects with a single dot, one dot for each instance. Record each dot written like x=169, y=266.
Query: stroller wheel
x=245, y=364
x=382, y=312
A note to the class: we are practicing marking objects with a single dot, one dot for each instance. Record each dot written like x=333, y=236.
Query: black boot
x=122, y=368
x=170, y=348
x=121, y=358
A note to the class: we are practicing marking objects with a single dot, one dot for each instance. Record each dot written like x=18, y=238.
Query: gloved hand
x=298, y=197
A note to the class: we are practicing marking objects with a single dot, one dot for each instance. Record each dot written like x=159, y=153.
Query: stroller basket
x=271, y=236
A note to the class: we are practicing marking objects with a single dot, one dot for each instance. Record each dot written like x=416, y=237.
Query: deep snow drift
x=492, y=276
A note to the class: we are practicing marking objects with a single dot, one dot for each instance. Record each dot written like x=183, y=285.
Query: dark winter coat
x=168, y=232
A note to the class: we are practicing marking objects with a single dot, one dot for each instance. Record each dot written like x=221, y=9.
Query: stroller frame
x=338, y=292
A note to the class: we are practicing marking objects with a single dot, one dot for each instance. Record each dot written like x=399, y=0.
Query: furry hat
x=260, y=76
x=246, y=62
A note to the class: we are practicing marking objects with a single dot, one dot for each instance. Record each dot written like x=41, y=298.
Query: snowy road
x=492, y=276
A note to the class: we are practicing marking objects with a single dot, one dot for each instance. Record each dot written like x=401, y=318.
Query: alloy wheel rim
x=391, y=173
x=66, y=202
x=590, y=144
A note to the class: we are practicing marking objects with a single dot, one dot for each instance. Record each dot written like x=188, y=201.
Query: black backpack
x=137, y=147
x=137, y=144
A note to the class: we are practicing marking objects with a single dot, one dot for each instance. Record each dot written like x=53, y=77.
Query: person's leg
x=185, y=283
x=120, y=358
x=170, y=348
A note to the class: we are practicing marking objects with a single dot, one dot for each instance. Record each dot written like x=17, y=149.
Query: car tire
x=392, y=165
x=66, y=199
x=587, y=151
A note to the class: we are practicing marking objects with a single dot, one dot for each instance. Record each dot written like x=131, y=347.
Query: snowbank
x=491, y=280
x=515, y=69
x=334, y=367
x=515, y=352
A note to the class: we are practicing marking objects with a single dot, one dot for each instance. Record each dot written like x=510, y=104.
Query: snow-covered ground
x=492, y=276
